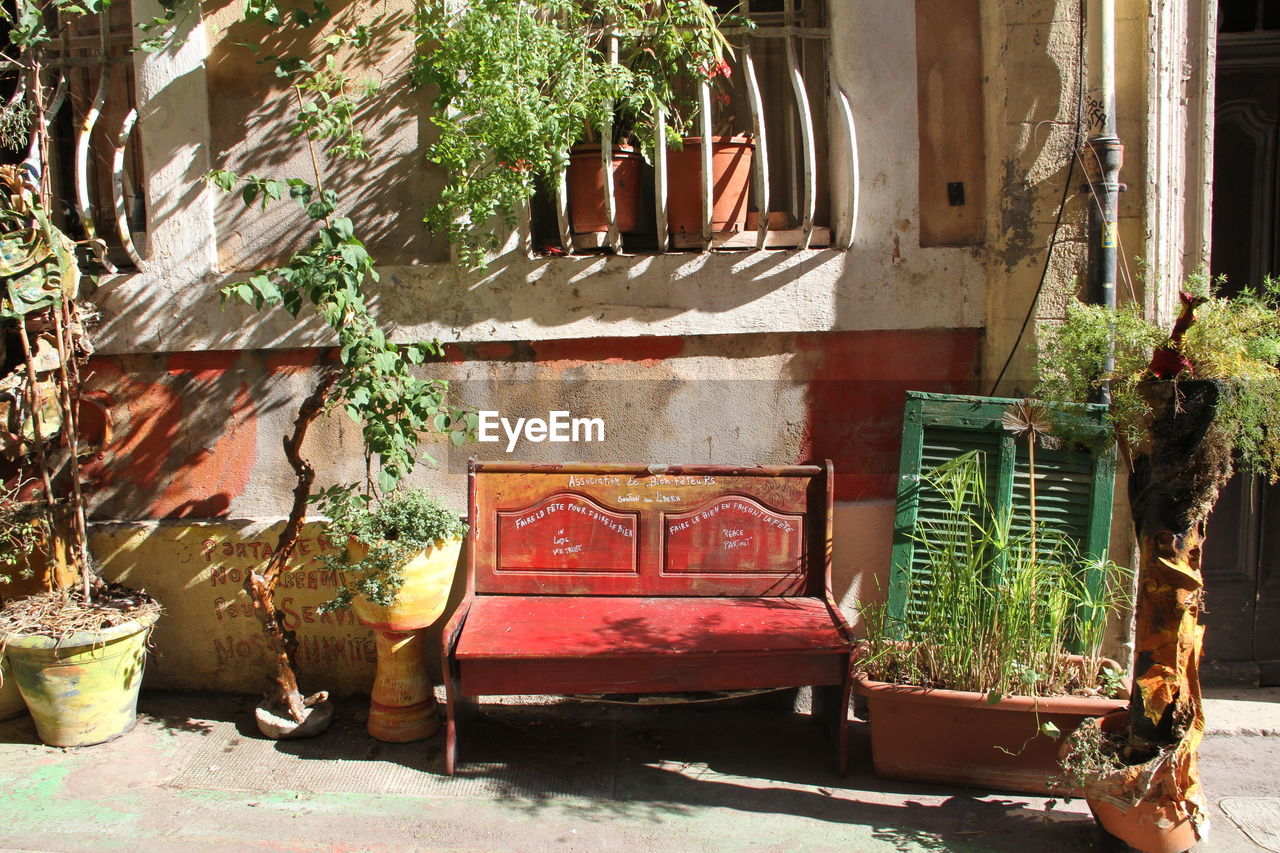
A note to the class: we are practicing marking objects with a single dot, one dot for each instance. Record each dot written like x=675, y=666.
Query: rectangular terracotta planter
x=959, y=738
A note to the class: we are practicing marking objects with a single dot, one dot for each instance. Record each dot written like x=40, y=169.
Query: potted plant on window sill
x=586, y=184
x=731, y=162
x=509, y=121
x=400, y=560
x=732, y=158
x=1190, y=406
x=975, y=685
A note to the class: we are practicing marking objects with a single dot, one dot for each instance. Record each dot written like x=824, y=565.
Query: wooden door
x=1242, y=549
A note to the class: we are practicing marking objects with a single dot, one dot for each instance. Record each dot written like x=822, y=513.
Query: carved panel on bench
x=516, y=552
x=566, y=532
x=733, y=534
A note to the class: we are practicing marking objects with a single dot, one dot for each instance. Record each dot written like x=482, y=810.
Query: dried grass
x=60, y=613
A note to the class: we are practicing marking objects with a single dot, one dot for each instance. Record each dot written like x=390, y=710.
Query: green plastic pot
x=11, y=704
x=82, y=689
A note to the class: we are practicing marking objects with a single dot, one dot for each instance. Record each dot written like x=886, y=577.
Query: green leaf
x=1049, y=729
x=319, y=209
x=994, y=697
x=343, y=228
x=267, y=290
x=222, y=179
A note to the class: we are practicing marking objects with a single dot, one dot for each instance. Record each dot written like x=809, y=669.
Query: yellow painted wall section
x=208, y=637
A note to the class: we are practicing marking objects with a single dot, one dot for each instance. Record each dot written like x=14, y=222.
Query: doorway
x=1241, y=561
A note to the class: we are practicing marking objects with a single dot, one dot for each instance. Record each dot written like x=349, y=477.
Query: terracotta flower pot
x=731, y=159
x=1151, y=827
x=960, y=738
x=585, y=178
x=402, y=704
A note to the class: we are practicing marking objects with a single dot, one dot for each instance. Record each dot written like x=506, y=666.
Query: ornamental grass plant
x=998, y=611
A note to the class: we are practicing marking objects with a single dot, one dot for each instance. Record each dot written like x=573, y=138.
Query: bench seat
x=517, y=644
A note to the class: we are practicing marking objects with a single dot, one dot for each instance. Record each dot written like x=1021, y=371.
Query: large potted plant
x=1191, y=406
x=377, y=382
x=75, y=648
x=975, y=681
x=519, y=84
x=399, y=563
x=75, y=653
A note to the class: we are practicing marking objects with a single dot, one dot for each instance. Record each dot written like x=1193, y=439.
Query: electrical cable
x=1066, y=193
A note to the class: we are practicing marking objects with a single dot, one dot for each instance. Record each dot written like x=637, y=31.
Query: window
x=770, y=176
x=1246, y=16
x=95, y=167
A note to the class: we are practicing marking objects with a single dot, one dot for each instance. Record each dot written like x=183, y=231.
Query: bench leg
x=842, y=720
x=459, y=711
x=826, y=712
x=831, y=709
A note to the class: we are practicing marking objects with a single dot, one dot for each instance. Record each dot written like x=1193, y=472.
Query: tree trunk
x=1174, y=486
x=285, y=696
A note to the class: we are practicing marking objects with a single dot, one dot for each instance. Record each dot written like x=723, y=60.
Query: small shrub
x=393, y=530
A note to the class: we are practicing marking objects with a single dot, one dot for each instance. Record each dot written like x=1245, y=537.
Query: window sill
x=787, y=238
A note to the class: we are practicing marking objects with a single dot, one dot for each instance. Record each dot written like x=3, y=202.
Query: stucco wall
x=734, y=357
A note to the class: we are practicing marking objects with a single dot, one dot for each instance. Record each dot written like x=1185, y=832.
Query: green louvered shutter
x=1073, y=484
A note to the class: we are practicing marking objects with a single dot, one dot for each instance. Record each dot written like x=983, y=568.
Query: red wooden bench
x=595, y=579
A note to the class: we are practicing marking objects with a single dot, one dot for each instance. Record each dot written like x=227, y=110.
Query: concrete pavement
x=749, y=776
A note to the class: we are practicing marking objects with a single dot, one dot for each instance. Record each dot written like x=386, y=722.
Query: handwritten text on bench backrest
x=555, y=533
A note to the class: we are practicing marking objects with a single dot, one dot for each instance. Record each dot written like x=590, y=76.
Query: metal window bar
x=849, y=218
x=760, y=164
x=117, y=184
x=660, y=179
x=562, y=211
x=807, y=143
x=99, y=162
x=84, y=136
x=606, y=162
x=708, y=191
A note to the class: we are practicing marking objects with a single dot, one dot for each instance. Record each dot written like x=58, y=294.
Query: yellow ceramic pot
x=403, y=703
x=82, y=689
x=11, y=704
x=420, y=601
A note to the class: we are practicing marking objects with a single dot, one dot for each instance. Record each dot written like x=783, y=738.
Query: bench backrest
x=657, y=530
